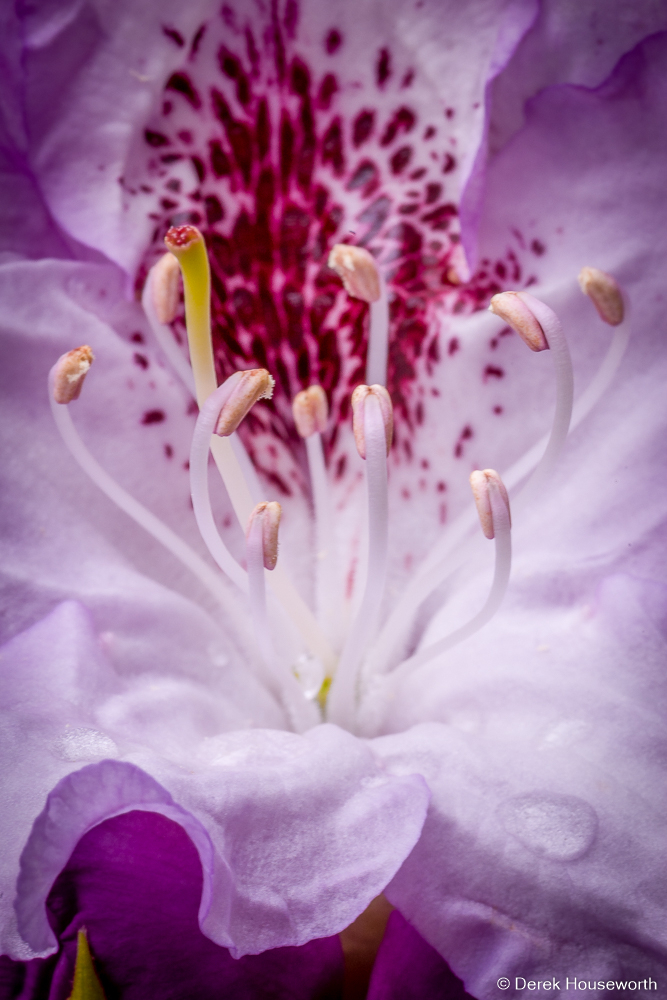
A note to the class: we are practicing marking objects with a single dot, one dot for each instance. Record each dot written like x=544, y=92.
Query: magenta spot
x=169, y=451
x=333, y=41
x=137, y=338
x=365, y=176
x=383, y=67
x=416, y=175
x=140, y=360
x=449, y=112
x=214, y=210
x=231, y=67
x=429, y=132
x=400, y=159
x=153, y=417
x=155, y=139
x=328, y=88
x=402, y=120
x=537, y=248
x=181, y=84
x=491, y=371
x=453, y=346
x=220, y=162
x=362, y=127
x=501, y=270
x=408, y=78
x=200, y=167
x=196, y=41
x=175, y=36
x=332, y=147
x=433, y=192
x=497, y=410
x=441, y=486
x=449, y=164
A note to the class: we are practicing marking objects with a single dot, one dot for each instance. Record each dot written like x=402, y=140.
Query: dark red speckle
x=453, y=346
x=491, y=371
x=137, y=337
x=537, y=248
x=181, y=84
x=169, y=451
x=400, y=159
x=140, y=360
x=383, y=67
x=449, y=164
x=333, y=41
x=497, y=410
x=175, y=36
x=155, y=139
x=363, y=126
x=449, y=112
x=153, y=417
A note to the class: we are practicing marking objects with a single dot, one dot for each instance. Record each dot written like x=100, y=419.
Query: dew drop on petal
x=558, y=827
x=309, y=672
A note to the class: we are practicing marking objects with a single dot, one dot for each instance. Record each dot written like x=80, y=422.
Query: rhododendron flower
x=391, y=717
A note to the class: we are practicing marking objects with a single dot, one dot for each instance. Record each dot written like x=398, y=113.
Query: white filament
x=327, y=579
x=503, y=566
x=378, y=339
x=122, y=499
x=562, y=362
x=342, y=696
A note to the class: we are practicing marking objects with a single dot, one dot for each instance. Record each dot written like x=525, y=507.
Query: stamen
x=494, y=513
x=262, y=554
x=165, y=284
x=510, y=307
x=438, y=566
x=605, y=294
x=187, y=244
x=362, y=280
x=360, y=398
x=69, y=373
x=310, y=411
x=370, y=405
x=160, y=303
x=143, y=517
x=251, y=386
x=201, y=501
x=267, y=514
x=506, y=305
x=357, y=270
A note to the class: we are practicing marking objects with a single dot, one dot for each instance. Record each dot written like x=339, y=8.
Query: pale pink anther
x=69, y=373
x=165, y=278
x=269, y=515
x=604, y=293
x=357, y=270
x=511, y=307
x=311, y=411
x=481, y=483
x=252, y=385
x=359, y=398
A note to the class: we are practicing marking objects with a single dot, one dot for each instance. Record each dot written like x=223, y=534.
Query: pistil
x=187, y=245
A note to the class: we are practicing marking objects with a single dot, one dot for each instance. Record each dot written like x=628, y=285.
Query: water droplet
x=559, y=827
x=85, y=744
x=309, y=671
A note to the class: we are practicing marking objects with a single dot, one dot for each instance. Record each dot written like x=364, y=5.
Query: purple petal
x=77, y=803
x=408, y=968
x=135, y=883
